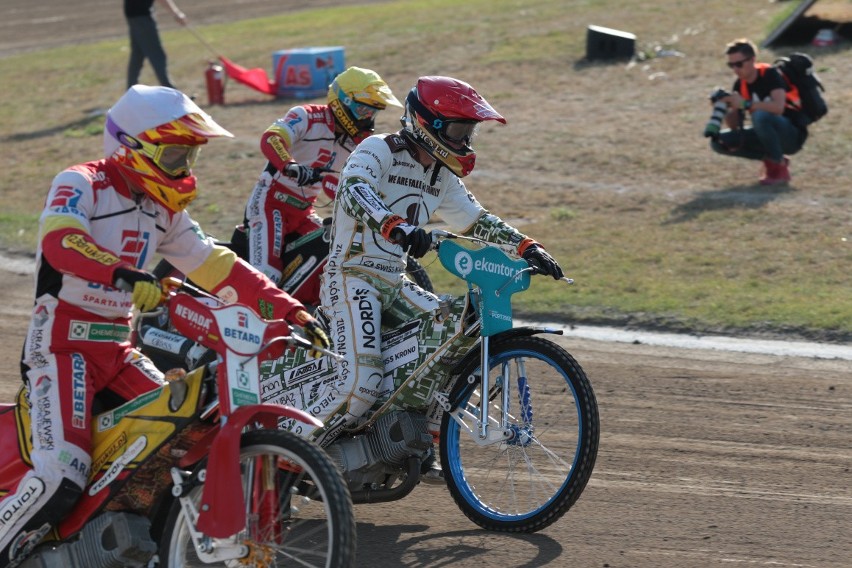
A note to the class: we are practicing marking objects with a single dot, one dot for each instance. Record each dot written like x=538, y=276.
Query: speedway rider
x=299, y=147
x=390, y=187
x=102, y=223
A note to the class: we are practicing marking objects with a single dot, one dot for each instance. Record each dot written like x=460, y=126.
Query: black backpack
x=798, y=70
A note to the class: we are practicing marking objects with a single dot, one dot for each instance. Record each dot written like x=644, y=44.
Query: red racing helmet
x=442, y=115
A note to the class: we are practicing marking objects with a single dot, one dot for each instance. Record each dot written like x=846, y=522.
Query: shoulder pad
x=395, y=142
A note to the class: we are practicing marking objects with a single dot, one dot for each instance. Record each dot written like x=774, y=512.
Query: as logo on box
x=298, y=75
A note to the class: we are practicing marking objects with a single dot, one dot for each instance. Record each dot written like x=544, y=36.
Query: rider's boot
x=431, y=472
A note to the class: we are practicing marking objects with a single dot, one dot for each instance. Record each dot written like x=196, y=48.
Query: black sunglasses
x=738, y=64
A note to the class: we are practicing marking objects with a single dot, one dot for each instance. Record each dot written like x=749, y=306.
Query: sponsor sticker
x=118, y=465
x=81, y=244
x=401, y=354
x=134, y=246
x=110, y=419
x=193, y=317
x=305, y=372
x=24, y=497
x=25, y=542
x=40, y=315
x=228, y=294
x=91, y=331
x=463, y=263
x=107, y=454
x=242, y=330
x=78, y=389
x=65, y=197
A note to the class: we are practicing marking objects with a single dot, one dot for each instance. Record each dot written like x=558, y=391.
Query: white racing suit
x=278, y=207
x=363, y=285
x=78, y=340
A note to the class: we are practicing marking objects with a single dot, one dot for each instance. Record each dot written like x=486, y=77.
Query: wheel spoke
x=298, y=515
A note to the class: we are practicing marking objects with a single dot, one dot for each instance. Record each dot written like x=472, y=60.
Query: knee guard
x=30, y=521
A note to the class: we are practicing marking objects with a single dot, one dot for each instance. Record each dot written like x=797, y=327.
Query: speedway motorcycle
x=196, y=472
x=513, y=414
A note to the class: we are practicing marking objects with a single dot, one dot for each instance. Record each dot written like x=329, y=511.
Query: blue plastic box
x=305, y=73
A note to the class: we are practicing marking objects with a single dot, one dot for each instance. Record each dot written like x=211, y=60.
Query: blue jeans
x=770, y=136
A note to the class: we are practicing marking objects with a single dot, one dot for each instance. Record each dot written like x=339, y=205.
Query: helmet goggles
x=363, y=114
x=175, y=160
x=361, y=111
x=458, y=133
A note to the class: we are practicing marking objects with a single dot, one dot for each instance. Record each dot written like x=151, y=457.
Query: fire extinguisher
x=215, y=78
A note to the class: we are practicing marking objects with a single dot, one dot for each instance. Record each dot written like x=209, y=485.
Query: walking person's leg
x=145, y=35
x=137, y=54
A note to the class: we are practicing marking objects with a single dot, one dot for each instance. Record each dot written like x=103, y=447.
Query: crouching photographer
x=761, y=116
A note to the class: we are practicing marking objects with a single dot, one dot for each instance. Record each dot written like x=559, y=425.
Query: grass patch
x=563, y=214
x=604, y=163
x=20, y=228
x=781, y=15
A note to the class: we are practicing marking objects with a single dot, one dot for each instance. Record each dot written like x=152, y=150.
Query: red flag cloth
x=255, y=78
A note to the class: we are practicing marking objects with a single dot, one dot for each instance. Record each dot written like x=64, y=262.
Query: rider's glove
x=145, y=287
x=313, y=329
x=540, y=259
x=304, y=175
x=414, y=240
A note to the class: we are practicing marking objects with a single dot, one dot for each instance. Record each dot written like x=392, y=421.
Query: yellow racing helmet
x=355, y=97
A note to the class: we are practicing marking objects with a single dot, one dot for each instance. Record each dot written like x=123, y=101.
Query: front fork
x=483, y=428
x=266, y=500
x=208, y=549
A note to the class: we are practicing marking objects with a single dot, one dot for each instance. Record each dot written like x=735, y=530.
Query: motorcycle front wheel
x=298, y=510
x=527, y=482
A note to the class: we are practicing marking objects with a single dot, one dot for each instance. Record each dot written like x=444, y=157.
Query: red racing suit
x=278, y=207
x=78, y=340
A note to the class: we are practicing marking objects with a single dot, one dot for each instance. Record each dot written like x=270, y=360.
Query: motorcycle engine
x=112, y=540
x=384, y=449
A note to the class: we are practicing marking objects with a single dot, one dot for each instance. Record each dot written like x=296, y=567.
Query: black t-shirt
x=136, y=8
x=765, y=83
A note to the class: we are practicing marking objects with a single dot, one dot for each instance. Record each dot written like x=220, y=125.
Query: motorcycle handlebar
x=166, y=285
x=438, y=235
x=123, y=285
x=299, y=341
x=170, y=284
x=292, y=170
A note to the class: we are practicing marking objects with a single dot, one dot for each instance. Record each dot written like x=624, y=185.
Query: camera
x=718, y=94
x=720, y=109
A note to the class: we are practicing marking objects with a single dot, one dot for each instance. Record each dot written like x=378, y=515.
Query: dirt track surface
x=706, y=458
